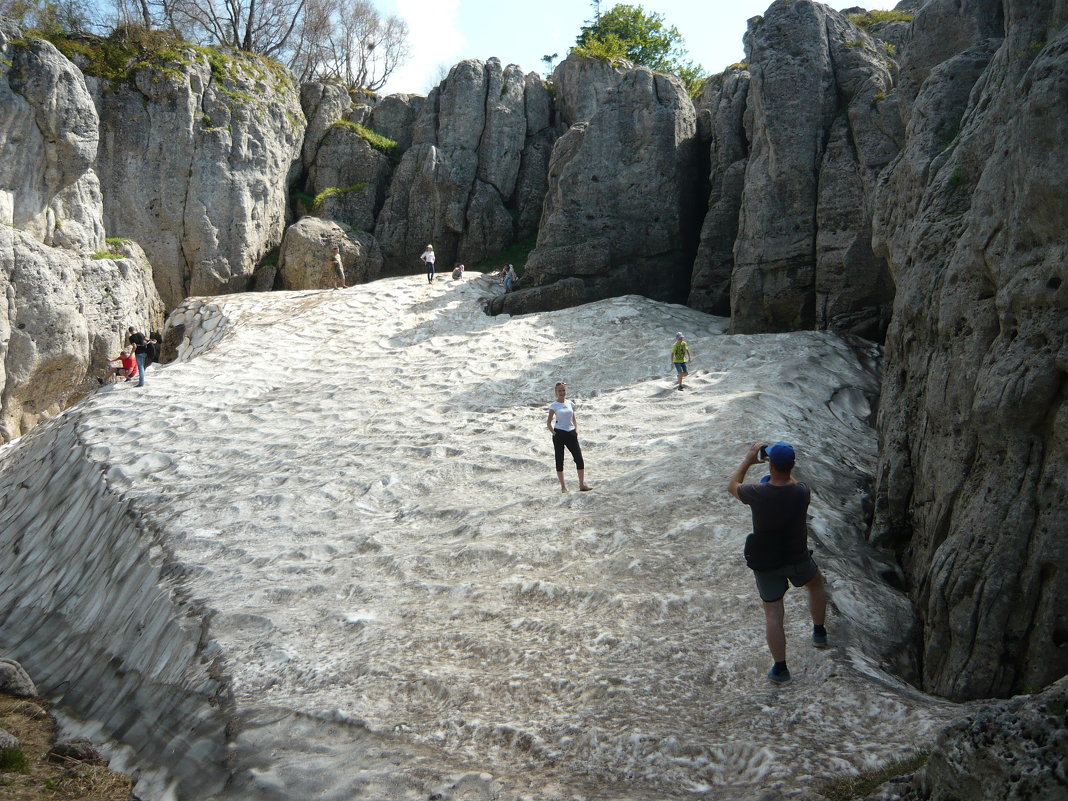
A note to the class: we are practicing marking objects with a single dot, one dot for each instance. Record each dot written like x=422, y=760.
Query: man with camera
x=777, y=550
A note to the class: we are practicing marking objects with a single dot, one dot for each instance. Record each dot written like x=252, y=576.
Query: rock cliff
x=196, y=155
x=619, y=213
x=473, y=178
x=973, y=427
x=66, y=301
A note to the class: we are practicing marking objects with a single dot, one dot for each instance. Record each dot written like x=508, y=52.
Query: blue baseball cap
x=781, y=455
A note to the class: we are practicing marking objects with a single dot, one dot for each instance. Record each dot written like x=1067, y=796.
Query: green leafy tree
x=629, y=32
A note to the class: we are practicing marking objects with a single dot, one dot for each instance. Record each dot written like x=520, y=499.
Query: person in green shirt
x=680, y=354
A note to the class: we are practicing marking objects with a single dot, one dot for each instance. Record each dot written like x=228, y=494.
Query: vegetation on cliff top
x=629, y=32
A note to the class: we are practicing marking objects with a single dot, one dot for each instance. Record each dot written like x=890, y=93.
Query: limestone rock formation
x=65, y=312
x=394, y=117
x=303, y=262
x=582, y=84
x=1015, y=749
x=803, y=256
x=195, y=164
x=349, y=176
x=971, y=491
x=622, y=190
x=473, y=169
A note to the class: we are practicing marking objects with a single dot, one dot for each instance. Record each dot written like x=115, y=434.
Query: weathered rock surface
x=1017, y=749
x=48, y=133
x=64, y=313
x=394, y=117
x=582, y=84
x=622, y=192
x=472, y=179
x=304, y=260
x=195, y=163
x=971, y=491
x=352, y=174
x=14, y=680
x=8, y=740
x=803, y=256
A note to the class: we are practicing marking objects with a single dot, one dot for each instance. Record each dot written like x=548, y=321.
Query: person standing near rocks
x=428, y=259
x=680, y=354
x=337, y=268
x=509, y=278
x=777, y=550
x=137, y=339
x=563, y=425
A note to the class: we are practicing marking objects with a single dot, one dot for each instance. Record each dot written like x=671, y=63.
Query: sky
x=444, y=32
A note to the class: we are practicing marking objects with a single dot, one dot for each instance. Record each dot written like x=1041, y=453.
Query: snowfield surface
x=360, y=486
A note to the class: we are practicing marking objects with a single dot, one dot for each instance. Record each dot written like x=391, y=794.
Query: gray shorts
x=771, y=584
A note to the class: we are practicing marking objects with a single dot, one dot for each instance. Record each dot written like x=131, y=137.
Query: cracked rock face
x=63, y=313
x=803, y=257
x=971, y=491
x=195, y=162
x=621, y=189
x=473, y=179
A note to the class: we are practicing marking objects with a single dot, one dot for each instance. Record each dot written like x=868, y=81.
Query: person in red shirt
x=128, y=368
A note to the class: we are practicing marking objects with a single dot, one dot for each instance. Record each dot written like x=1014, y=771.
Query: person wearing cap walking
x=777, y=551
x=428, y=258
x=680, y=354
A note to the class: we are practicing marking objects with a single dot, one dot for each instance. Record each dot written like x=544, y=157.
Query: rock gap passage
x=324, y=555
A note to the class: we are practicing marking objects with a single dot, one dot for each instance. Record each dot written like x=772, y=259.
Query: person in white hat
x=428, y=258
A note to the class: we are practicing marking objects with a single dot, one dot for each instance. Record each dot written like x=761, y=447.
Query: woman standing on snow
x=428, y=258
x=563, y=425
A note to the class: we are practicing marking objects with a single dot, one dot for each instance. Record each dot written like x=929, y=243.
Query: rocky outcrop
x=195, y=162
x=1015, y=749
x=304, y=260
x=803, y=256
x=67, y=303
x=971, y=492
x=349, y=177
x=622, y=190
x=582, y=84
x=471, y=180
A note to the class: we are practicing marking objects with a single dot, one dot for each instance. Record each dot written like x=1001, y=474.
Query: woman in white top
x=428, y=258
x=563, y=425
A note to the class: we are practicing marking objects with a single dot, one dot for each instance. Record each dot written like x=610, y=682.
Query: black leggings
x=429, y=271
x=567, y=439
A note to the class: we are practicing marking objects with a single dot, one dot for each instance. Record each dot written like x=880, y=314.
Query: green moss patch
x=380, y=143
x=333, y=191
x=867, y=19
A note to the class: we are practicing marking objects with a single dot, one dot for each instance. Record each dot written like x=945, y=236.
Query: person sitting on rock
x=127, y=369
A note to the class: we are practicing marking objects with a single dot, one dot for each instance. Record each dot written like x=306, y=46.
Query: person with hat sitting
x=777, y=551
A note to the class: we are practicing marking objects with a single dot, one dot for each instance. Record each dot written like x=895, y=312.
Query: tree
x=349, y=40
x=628, y=32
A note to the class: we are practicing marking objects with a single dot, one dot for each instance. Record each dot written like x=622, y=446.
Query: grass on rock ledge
x=26, y=774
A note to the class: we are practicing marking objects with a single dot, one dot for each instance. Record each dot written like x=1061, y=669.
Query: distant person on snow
x=428, y=258
x=563, y=425
x=680, y=354
x=137, y=339
x=777, y=550
x=337, y=268
x=458, y=272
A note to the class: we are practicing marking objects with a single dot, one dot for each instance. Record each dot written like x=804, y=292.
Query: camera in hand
x=762, y=454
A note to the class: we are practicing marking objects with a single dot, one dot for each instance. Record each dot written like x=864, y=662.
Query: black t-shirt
x=780, y=529
x=137, y=339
